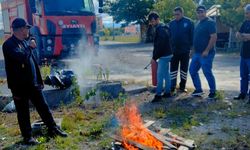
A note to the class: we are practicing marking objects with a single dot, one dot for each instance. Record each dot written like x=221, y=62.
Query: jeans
x=244, y=75
x=206, y=63
x=163, y=73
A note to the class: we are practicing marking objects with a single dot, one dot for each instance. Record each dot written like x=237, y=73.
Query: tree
x=131, y=10
x=165, y=8
x=209, y=3
x=128, y=11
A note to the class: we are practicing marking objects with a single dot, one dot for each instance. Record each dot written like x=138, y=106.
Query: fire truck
x=59, y=26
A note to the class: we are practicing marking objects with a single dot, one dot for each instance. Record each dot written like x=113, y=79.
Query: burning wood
x=135, y=135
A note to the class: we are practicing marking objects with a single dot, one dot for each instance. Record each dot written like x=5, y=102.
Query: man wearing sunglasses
x=181, y=29
x=244, y=35
x=25, y=81
x=204, y=52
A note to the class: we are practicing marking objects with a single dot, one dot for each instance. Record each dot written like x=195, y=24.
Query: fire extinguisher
x=154, y=72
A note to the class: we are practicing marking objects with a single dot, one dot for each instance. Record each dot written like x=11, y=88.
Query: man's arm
x=212, y=41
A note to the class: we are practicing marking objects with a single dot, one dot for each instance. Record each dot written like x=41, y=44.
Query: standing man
x=204, y=51
x=244, y=35
x=163, y=54
x=25, y=81
x=181, y=29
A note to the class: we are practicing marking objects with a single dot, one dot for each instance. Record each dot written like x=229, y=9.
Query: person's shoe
x=240, y=97
x=56, y=131
x=166, y=95
x=30, y=141
x=157, y=98
x=197, y=93
x=183, y=90
x=212, y=95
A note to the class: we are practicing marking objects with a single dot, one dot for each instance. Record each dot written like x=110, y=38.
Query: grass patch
x=83, y=123
x=127, y=39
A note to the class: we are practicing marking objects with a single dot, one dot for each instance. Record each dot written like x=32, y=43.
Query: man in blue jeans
x=203, y=54
x=244, y=35
x=163, y=54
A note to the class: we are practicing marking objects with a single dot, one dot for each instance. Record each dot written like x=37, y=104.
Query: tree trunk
x=230, y=38
x=143, y=31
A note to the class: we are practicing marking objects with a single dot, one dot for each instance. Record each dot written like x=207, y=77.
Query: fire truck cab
x=59, y=26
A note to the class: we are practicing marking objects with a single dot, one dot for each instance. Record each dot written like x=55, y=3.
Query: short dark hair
x=153, y=15
x=178, y=8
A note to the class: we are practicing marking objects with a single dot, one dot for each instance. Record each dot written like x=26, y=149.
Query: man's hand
x=205, y=53
x=153, y=61
x=32, y=43
x=191, y=53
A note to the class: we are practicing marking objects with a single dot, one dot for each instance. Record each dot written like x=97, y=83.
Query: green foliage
x=76, y=92
x=165, y=8
x=129, y=10
x=45, y=71
x=160, y=113
x=106, y=33
x=89, y=94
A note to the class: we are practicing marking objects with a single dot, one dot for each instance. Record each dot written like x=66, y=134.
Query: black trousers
x=183, y=60
x=21, y=100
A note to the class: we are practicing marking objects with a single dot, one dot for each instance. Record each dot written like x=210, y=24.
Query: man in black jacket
x=162, y=54
x=181, y=29
x=25, y=81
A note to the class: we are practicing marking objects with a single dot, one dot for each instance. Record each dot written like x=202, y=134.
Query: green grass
x=83, y=123
x=127, y=39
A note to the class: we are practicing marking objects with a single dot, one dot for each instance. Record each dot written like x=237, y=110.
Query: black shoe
x=166, y=95
x=212, y=96
x=157, y=98
x=56, y=132
x=30, y=141
x=240, y=97
x=183, y=90
x=198, y=93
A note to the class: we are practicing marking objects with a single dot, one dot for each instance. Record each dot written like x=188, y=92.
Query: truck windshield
x=67, y=7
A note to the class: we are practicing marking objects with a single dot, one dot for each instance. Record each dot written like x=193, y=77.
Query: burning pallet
x=134, y=134
x=165, y=136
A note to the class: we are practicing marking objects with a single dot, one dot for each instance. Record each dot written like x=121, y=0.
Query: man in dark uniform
x=244, y=35
x=162, y=53
x=181, y=29
x=25, y=81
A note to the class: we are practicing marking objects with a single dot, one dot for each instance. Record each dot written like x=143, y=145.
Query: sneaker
x=183, y=90
x=56, y=131
x=157, y=98
x=240, y=97
x=30, y=141
x=198, y=93
x=211, y=95
x=166, y=95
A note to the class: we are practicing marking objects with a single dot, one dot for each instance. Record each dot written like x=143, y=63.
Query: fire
x=132, y=129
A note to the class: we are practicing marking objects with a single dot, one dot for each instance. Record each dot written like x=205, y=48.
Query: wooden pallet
x=169, y=140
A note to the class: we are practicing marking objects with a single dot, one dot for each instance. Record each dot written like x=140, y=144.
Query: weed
x=159, y=113
x=45, y=71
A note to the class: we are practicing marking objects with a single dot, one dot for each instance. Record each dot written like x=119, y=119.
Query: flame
x=132, y=129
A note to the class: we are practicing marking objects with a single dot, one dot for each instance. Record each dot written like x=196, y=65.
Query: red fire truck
x=58, y=25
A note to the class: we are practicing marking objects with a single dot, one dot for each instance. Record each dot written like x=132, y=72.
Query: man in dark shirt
x=162, y=54
x=181, y=31
x=204, y=51
x=25, y=81
x=244, y=35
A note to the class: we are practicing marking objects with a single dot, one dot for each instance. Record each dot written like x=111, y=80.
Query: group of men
x=181, y=39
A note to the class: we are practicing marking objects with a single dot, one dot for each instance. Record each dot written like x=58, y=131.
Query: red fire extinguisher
x=154, y=72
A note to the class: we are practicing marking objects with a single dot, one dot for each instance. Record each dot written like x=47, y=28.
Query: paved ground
x=126, y=61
